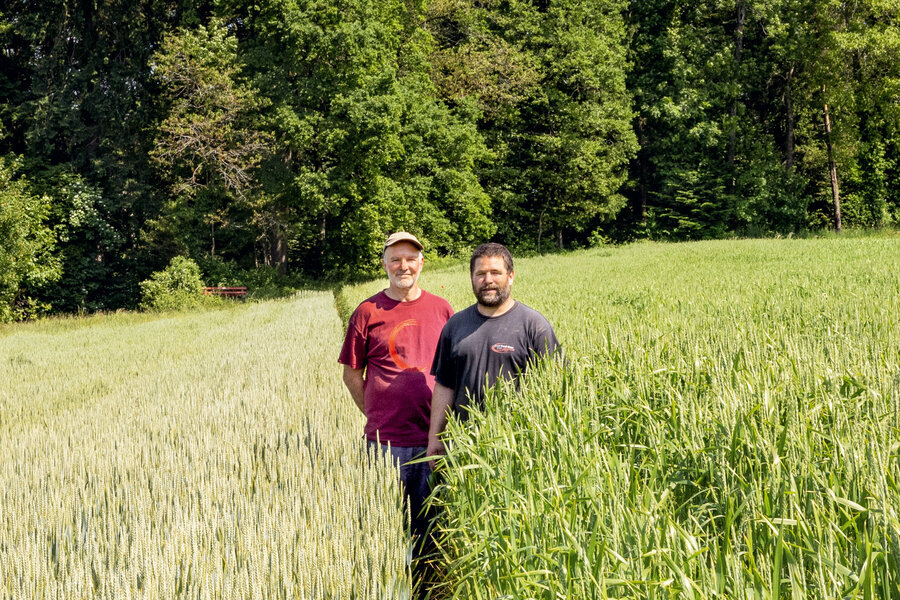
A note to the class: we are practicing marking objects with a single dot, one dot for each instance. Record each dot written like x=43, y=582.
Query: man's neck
x=404, y=295
x=495, y=311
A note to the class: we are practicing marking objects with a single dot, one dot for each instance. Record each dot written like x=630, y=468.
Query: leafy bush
x=176, y=287
x=27, y=261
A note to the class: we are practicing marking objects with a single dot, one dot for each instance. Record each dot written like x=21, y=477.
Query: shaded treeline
x=286, y=137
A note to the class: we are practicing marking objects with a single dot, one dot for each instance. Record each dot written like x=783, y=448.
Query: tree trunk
x=738, y=51
x=540, y=230
x=789, y=134
x=279, y=253
x=559, y=240
x=644, y=190
x=322, y=232
x=212, y=235
x=832, y=168
x=644, y=171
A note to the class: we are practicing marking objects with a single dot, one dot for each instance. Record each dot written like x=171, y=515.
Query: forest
x=283, y=139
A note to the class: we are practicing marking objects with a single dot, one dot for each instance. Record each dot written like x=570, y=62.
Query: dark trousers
x=414, y=482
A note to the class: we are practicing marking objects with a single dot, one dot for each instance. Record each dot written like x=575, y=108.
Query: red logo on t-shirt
x=503, y=348
x=392, y=345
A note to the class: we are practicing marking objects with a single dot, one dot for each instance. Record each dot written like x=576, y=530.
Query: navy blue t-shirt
x=474, y=351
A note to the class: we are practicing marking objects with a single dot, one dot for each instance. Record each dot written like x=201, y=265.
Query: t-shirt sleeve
x=353, y=353
x=544, y=339
x=442, y=367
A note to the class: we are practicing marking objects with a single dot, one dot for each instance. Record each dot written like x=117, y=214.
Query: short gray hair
x=383, y=254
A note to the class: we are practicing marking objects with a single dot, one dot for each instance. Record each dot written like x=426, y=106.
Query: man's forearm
x=441, y=402
x=355, y=381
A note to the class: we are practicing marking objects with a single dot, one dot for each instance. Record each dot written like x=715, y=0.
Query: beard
x=403, y=282
x=492, y=295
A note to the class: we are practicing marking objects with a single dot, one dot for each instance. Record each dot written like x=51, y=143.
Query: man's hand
x=441, y=402
x=435, y=448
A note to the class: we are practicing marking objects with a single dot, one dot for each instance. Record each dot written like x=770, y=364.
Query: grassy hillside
x=726, y=426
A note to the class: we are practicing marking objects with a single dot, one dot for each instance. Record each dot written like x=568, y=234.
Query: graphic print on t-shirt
x=392, y=345
x=503, y=348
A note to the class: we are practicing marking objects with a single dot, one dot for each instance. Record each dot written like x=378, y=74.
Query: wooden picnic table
x=230, y=292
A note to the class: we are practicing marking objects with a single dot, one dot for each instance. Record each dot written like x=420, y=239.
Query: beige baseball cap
x=402, y=236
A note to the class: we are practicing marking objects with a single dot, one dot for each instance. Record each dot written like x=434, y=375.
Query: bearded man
x=495, y=337
x=387, y=353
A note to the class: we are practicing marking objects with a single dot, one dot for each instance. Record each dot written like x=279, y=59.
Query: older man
x=387, y=354
x=495, y=337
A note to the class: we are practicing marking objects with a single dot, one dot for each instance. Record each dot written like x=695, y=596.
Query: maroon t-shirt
x=395, y=342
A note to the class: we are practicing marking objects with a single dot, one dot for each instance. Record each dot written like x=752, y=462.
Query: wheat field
x=726, y=425
x=196, y=455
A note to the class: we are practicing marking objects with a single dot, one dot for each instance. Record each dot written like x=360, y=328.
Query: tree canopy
x=291, y=136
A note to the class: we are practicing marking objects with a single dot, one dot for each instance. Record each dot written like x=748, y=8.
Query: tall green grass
x=725, y=426
x=204, y=455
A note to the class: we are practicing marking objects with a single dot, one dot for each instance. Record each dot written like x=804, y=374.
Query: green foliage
x=706, y=165
x=205, y=141
x=176, y=287
x=85, y=239
x=294, y=136
x=730, y=100
x=556, y=112
x=77, y=97
x=28, y=263
x=207, y=146
x=362, y=145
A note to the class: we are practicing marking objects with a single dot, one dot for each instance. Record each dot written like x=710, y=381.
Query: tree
x=550, y=80
x=77, y=97
x=842, y=59
x=362, y=145
x=84, y=239
x=577, y=137
x=207, y=145
x=863, y=44
x=27, y=262
x=709, y=95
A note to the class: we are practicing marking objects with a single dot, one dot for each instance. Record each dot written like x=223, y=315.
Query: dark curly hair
x=491, y=249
